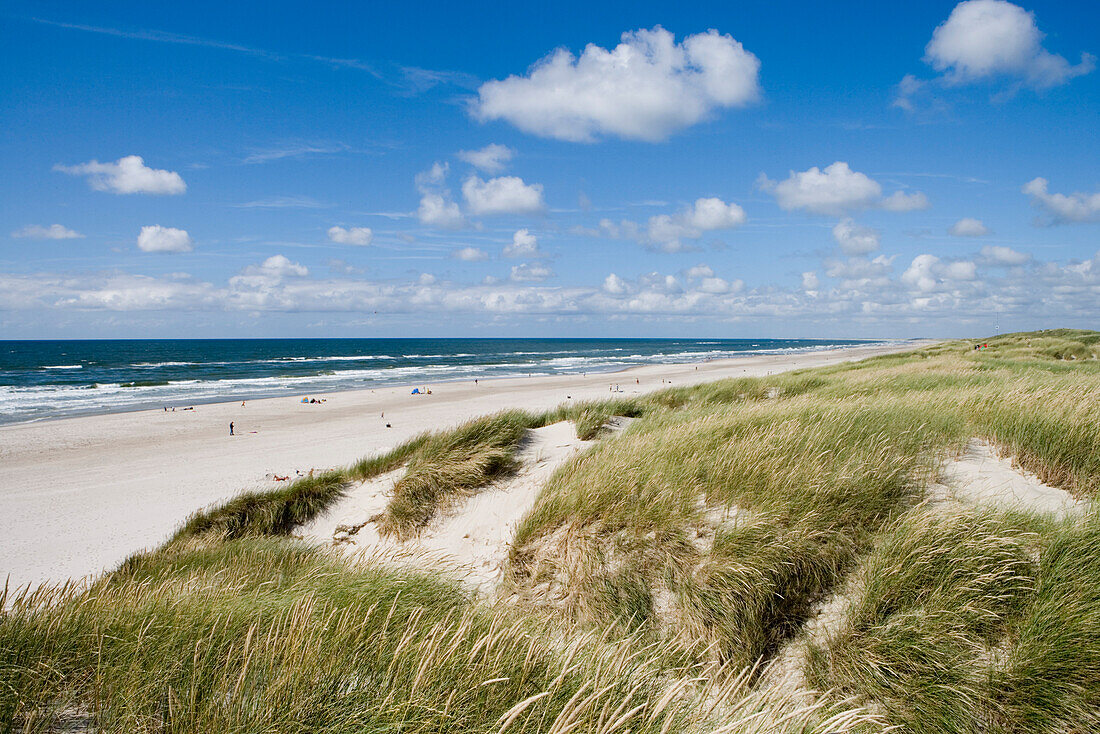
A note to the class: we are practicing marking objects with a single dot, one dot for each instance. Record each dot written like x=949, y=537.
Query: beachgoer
x=475, y=381
x=230, y=428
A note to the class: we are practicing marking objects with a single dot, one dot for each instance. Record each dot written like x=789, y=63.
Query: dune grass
x=267, y=635
x=447, y=466
x=654, y=575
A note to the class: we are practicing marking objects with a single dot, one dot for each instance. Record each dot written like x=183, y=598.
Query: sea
x=53, y=379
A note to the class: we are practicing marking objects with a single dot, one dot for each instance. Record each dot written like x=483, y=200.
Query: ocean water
x=50, y=379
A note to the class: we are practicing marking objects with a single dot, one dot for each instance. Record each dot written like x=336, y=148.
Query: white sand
x=980, y=477
x=472, y=538
x=79, y=495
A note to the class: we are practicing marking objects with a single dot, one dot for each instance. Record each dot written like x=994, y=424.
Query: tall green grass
x=267, y=635
x=654, y=575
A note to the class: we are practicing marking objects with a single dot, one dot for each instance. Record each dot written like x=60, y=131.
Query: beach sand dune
x=472, y=538
x=79, y=495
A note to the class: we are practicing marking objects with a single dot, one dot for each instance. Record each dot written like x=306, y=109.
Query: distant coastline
x=44, y=380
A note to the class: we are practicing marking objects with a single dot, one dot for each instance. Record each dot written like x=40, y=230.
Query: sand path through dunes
x=79, y=495
x=473, y=538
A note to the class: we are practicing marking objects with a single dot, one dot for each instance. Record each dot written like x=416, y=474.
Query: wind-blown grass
x=266, y=635
x=447, y=466
x=654, y=573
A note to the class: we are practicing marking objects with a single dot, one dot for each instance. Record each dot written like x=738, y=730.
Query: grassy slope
x=702, y=537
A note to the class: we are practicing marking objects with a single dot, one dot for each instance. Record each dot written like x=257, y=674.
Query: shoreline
x=82, y=493
x=178, y=402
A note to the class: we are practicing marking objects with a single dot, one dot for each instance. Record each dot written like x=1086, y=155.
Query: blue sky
x=749, y=169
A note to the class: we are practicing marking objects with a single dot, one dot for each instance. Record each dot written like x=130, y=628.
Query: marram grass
x=656, y=575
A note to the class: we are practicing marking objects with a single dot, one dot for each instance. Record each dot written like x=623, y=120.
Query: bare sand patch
x=470, y=539
x=981, y=477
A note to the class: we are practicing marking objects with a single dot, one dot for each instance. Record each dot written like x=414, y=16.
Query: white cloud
x=920, y=273
x=968, y=227
x=524, y=244
x=128, y=175
x=870, y=295
x=530, y=272
x=491, y=159
x=836, y=190
x=719, y=285
x=156, y=238
x=714, y=214
x=503, y=195
x=53, y=232
x=1063, y=208
x=899, y=201
x=351, y=235
x=926, y=272
x=855, y=239
x=614, y=285
x=810, y=281
x=436, y=207
x=436, y=211
x=434, y=176
x=701, y=270
x=1000, y=255
x=668, y=232
x=646, y=88
x=831, y=191
x=907, y=88
x=859, y=272
x=960, y=270
x=277, y=267
x=988, y=38
x=470, y=254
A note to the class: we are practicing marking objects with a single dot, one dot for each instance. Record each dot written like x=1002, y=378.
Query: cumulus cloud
x=503, y=195
x=437, y=211
x=470, y=254
x=926, y=272
x=530, y=272
x=53, y=232
x=836, y=190
x=277, y=267
x=351, y=235
x=989, y=38
x=128, y=175
x=646, y=88
x=855, y=239
x=614, y=285
x=156, y=238
x=711, y=214
x=436, y=207
x=1000, y=255
x=705, y=281
x=669, y=232
x=968, y=227
x=1063, y=208
x=810, y=281
x=492, y=158
x=524, y=244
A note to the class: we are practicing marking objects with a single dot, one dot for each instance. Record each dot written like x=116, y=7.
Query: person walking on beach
x=230, y=428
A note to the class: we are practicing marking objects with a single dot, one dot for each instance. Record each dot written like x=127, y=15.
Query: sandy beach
x=79, y=495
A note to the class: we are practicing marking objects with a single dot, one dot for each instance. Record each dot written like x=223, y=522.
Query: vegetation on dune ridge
x=652, y=578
